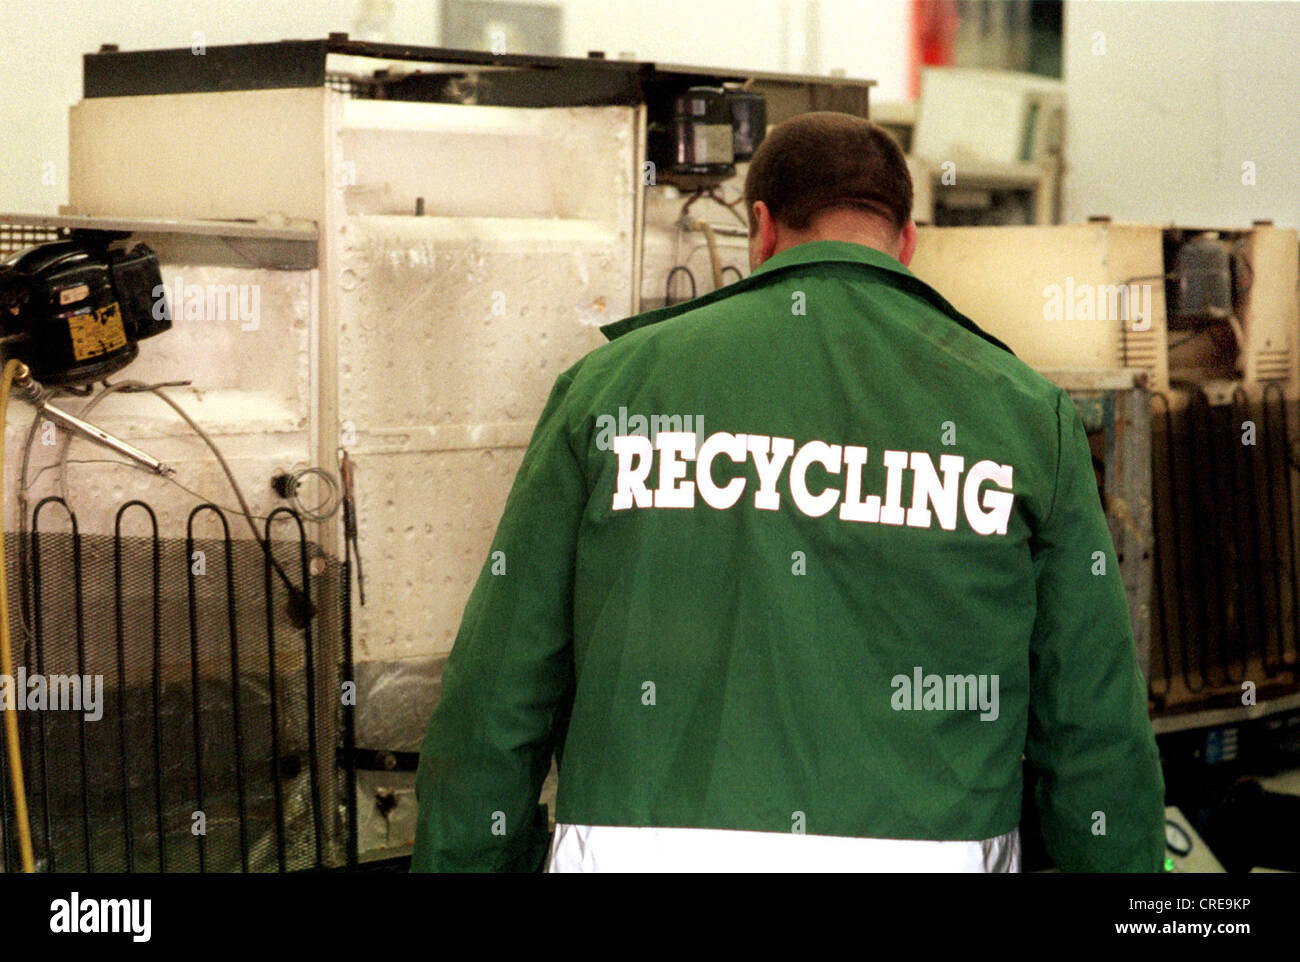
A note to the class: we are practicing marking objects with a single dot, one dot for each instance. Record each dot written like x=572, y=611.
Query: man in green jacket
x=795, y=574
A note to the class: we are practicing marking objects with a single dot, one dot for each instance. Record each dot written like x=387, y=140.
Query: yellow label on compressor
x=97, y=333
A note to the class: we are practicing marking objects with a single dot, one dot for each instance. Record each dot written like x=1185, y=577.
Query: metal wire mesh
x=220, y=733
x=17, y=237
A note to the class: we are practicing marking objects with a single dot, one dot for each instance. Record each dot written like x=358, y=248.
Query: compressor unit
x=74, y=310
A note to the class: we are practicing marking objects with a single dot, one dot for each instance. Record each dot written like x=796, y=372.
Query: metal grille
x=16, y=237
x=221, y=726
x=1226, y=577
x=342, y=83
x=355, y=87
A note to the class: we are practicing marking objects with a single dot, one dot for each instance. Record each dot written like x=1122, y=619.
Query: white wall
x=1167, y=101
x=1159, y=122
x=42, y=41
x=864, y=38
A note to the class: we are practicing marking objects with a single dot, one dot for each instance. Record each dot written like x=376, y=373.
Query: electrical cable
x=203, y=435
x=64, y=461
x=297, y=598
x=690, y=254
x=65, y=442
x=731, y=206
x=282, y=519
x=711, y=194
x=291, y=483
x=333, y=495
x=299, y=606
x=197, y=495
x=14, y=749
x=668, y=285
x=740, y=195
x=120, y=462
x=695, y=195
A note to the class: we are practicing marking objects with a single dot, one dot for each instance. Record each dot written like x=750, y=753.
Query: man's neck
x=841, y=225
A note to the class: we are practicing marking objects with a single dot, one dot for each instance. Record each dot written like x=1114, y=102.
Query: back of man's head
x=823, y=161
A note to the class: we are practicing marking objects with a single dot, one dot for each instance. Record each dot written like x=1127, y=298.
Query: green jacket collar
x=876, y=265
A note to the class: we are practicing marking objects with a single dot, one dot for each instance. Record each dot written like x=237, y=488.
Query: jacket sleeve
x=509, y=675
x=1100, y=793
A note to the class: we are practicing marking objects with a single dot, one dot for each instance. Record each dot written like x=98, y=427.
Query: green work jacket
x=811, y=553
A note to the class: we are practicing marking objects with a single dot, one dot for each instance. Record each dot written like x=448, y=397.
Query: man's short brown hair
x=821, y=161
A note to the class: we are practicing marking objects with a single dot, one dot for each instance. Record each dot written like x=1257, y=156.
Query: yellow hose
x=714, y=258
x=11, y=368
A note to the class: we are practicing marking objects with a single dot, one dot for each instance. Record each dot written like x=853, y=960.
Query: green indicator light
x=1169, y=863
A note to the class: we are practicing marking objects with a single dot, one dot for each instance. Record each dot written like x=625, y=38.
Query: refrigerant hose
x=12, y=368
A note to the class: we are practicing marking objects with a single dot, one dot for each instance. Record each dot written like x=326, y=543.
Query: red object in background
x=934, y=29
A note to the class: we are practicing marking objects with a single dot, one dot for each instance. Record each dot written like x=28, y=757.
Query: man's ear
x=762, y=244
x=907, y=246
